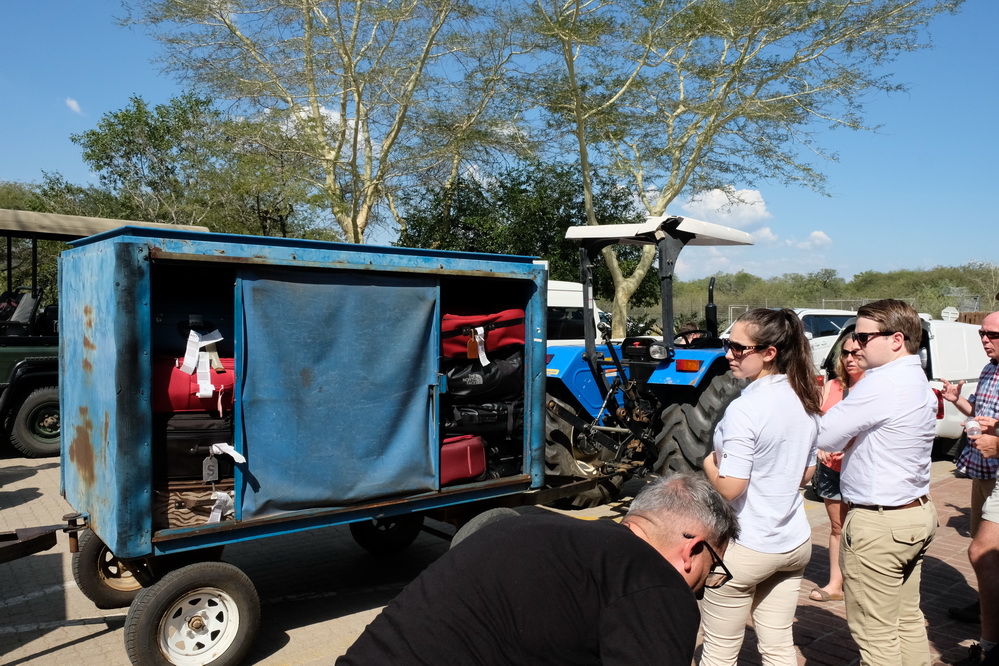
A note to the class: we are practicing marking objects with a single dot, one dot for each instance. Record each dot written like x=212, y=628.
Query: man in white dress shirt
x=891, y=418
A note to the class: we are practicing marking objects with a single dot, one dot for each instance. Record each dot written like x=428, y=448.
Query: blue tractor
x=617, y=409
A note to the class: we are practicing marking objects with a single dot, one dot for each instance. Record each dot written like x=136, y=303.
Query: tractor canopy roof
x=697, y=231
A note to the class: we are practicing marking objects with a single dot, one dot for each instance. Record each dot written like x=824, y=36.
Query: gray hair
x=685, y=501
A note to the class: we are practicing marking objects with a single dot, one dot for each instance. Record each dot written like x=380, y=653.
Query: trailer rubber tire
x=385, y=536
x=100, y=575
x=204, y=613
x=686, y=435
x=480, y=520
x=35, y=428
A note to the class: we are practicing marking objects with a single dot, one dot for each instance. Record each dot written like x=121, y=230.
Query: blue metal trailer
x=335, y=414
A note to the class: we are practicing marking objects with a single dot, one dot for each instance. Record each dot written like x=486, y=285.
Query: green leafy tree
x=378, y=94
x=523, y=210
x=185, y=162
x=684, y=97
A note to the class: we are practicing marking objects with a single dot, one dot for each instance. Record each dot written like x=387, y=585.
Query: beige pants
x=881, y=556
x=764, y=585
x=980, y=490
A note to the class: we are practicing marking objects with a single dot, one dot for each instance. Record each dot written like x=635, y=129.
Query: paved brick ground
x=319, y=590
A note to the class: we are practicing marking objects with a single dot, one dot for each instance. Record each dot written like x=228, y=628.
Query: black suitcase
x=505, y=419
x=182, y=441
x=501, y=381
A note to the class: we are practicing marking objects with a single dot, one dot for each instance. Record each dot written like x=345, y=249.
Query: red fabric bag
x=176, y=391
x=463, y=458
x=500, y=329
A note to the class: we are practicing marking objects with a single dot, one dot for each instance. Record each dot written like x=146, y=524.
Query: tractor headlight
x=658, y=351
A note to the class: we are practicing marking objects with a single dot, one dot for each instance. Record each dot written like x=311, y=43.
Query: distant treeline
x=973, y=286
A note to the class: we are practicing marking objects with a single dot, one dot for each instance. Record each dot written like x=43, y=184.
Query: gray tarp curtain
x=310, y=339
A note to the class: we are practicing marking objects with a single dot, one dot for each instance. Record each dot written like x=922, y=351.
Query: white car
x=822, y=328
x=949, y=350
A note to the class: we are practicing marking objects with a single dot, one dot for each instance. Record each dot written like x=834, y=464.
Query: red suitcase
x=500, y=329
x=463, y=458
x=176, y=391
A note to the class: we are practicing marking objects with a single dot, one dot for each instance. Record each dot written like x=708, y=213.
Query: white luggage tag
x=478, y=340
x=223, y=506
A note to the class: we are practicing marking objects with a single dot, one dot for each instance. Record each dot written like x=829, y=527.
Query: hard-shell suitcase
x=182, y=442
x=176, y=391
x=463, y=458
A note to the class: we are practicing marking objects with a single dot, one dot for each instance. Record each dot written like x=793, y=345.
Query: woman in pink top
x=847, y=372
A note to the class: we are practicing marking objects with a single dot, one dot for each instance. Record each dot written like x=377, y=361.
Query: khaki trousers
x=764, y=585
x=980, y=491
x=881, y=556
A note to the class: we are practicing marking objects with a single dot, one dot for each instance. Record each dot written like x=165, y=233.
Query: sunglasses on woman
x=741, y=350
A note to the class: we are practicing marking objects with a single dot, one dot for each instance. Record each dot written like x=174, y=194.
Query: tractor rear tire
x=686, y=436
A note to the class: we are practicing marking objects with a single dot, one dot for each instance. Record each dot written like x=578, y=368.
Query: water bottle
x=972, y=429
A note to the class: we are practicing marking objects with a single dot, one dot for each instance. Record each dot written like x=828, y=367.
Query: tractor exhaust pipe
x=711, y=310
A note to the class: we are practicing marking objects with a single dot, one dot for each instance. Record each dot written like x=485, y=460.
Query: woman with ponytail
x=764, y=451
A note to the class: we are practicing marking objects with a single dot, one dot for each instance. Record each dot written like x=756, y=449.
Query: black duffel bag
x=500, y=381
x=505, y=419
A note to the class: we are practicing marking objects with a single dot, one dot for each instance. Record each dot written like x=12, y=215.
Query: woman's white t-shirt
x=766, y=436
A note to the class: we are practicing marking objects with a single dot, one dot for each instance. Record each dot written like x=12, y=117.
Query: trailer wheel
x=35, y=429
x=204, y=613
x=481, y=520
x=384, y=536
x=100, y=575
x=688, y=428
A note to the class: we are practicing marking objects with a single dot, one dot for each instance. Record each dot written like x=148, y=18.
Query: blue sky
x=917, y=195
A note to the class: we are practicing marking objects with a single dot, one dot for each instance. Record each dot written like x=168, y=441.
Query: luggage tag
x=477, y=346
x=210, y=469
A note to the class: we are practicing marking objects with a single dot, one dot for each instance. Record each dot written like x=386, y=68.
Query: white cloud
x=765, y=236
x=73, y=105
x=819, y=238
x=815, y=239
x=728, y=206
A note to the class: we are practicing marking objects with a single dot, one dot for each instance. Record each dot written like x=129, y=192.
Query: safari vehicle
x=29, y=342
x=646, y=404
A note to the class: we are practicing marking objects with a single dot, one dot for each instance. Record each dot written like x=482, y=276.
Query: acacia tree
x=360, y=85
x=185, y=162
x=522, y=210
x=683, y=96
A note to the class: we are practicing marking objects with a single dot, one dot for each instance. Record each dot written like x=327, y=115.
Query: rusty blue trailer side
x=337, y=358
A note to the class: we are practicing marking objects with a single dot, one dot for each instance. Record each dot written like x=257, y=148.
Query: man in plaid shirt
x=981, y=470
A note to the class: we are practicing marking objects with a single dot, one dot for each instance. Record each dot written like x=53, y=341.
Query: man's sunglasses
x=991, y=335
x=863, y=338
x=741, y=350
x=719, y=574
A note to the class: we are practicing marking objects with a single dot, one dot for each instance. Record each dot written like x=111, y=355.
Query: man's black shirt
x=539, y=590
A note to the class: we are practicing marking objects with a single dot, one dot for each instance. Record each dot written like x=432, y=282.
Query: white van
x=949, y=350
x=565, y=313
